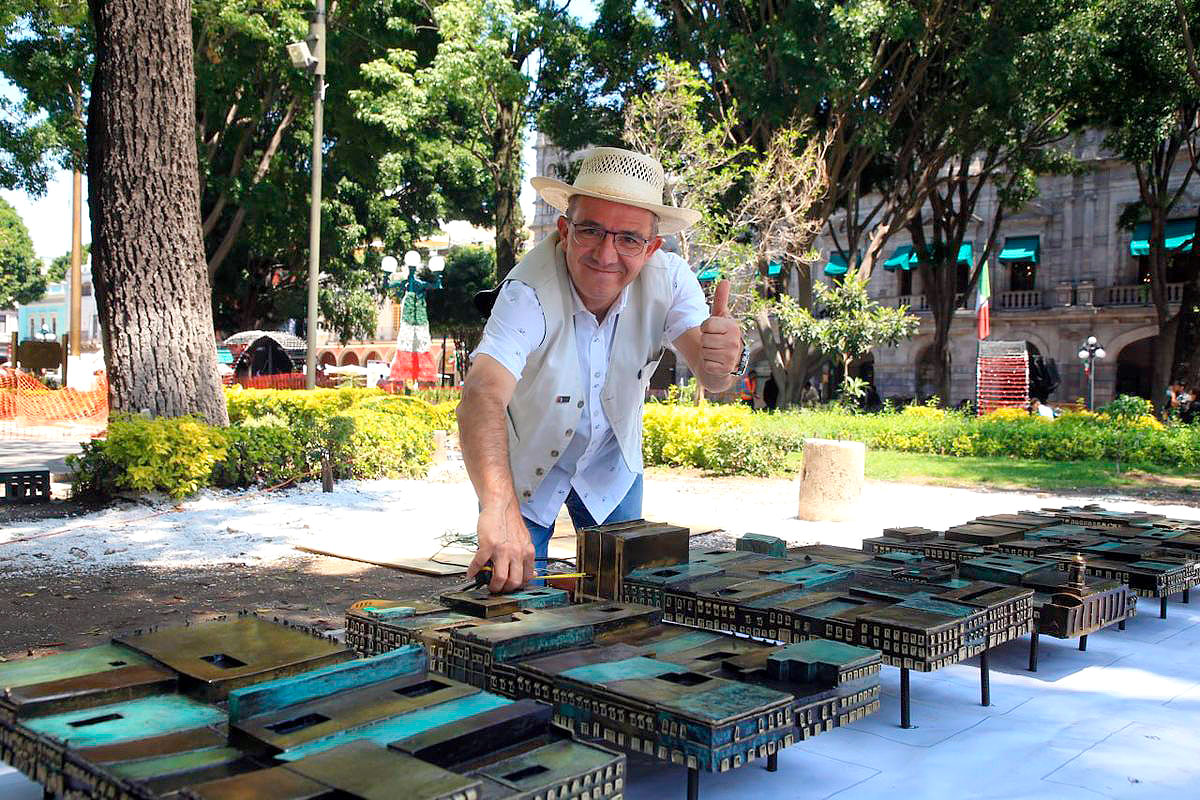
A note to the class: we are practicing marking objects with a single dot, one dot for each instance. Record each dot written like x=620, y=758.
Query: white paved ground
x=408, y=519
x=1121, y=720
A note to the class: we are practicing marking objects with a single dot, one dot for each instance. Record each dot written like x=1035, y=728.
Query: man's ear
x=562, y=227
x=653, y=248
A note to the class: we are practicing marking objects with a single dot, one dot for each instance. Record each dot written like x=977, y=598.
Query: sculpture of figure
x=413, y=361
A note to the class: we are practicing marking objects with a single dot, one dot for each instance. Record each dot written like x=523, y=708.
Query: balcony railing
x=1019, y=300
x=1065, y=295
x=916, y=302
x=1138, y=294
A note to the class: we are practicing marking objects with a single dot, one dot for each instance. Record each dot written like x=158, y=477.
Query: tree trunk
x=506, y=148
x=151, y=285
x=1187, y=333
x=939, y=282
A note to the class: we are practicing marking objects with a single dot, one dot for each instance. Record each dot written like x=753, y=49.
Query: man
x=551, y=410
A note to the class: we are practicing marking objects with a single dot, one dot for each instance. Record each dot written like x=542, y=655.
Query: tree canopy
x=21, y=278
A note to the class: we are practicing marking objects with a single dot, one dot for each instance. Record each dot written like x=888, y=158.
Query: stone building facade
x=1084, y=280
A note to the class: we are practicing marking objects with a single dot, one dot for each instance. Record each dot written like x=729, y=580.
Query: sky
x=49, y=217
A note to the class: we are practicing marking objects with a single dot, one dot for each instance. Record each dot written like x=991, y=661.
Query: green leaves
x=849, y=324
x=21, y=279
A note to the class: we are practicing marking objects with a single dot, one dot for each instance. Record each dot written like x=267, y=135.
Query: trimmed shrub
x=275, y=436
x=173, y=455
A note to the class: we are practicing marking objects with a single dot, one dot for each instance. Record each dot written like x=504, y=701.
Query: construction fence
x=29, y=409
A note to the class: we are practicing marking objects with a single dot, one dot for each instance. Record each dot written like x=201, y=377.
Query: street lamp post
x=1089, y=351
x=310, y=55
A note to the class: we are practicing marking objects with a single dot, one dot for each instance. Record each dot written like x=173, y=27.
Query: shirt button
x=569, y=431
x=539, y=471
x=526, y=494
x=554, y=454
x=580, y=404
x=596, y=339
x=597, y=375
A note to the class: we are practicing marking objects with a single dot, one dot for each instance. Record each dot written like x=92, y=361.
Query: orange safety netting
x=284, y=380
x=23, y=397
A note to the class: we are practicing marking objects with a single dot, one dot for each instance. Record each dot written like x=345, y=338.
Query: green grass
x=1013, y=473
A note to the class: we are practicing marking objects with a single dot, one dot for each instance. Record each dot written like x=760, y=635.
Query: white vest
x=549, y=396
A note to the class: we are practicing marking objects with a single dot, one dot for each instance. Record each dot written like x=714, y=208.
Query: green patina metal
x=73, y=664
x=687, y=641
x=762, y=544
x=628, y=669
x=557, y=761
x=927, y=602
x=277, y=694
x=385, y=731
x=728, y=699
x=144, y=768
x=122, y=722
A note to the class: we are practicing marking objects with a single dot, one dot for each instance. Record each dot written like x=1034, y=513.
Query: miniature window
x=685, y=678
x=223, y=660
x=81, y=723
x=421, y=689
x=297, y=724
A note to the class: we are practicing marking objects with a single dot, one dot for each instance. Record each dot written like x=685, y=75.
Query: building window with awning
x=837, y=267
x=1178, y=240
x=1021, y=255
x=902, y=262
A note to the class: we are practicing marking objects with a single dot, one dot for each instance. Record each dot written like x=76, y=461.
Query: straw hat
x=621, y=176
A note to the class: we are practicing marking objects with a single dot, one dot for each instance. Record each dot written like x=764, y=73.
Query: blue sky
x=49, y=217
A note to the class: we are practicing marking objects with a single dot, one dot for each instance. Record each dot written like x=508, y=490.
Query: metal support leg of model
x=905, y=722
x=1033, y=652
x=1121, y=625
x=693, y=783
x=1185, y=595
x=1083, y=643
x=773, y=761
x=985, y=689
x=1162, y=607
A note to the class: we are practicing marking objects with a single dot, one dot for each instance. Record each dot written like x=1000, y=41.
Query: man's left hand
x=720, y=340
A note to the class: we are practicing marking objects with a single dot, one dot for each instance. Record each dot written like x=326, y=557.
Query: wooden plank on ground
x=445, y=564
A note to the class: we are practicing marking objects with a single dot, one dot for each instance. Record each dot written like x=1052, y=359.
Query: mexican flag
x=983, y=298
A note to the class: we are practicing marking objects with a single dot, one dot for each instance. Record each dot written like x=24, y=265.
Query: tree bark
x=1187, y=333
x=506, y=146
x=151, y=285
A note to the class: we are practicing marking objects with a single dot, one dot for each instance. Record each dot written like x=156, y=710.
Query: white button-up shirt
x=592, y=463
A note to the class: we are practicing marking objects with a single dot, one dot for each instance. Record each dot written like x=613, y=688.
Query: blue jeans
x=629, y=508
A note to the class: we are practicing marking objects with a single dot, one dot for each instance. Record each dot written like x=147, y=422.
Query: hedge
x=274, y=437
x=733, y=439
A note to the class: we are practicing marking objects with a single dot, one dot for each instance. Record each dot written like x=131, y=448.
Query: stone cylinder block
x=832, y=480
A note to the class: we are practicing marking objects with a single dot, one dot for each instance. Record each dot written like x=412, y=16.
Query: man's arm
x=712, y=349
x=503, y=538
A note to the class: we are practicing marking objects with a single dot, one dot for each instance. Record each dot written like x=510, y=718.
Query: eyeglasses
x=626, y=244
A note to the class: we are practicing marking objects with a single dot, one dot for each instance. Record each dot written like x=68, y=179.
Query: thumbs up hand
x=720, y=340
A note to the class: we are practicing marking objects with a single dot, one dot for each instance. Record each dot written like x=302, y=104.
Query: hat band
x=639, y=192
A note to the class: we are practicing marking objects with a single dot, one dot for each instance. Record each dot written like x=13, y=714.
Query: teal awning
x=1177, y=237
x=1021, y=250
x=836, y=265
x=709, y=274
x=966, y=253
x=224, y=356
x=774, y=268
x=903, y=258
